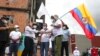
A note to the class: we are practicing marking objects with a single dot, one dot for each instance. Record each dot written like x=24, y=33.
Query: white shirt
x=57, y=31
x=45, y=36
x=76, y=53
x=15, y=35
x=30, y=32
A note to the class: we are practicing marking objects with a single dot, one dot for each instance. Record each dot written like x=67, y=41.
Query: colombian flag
x=21, y=47
x=79, y=13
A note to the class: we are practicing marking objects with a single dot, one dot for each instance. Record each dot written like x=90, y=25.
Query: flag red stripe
x=89, y=34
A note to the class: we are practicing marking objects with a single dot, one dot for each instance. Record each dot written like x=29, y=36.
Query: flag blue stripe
x=76, y=10
x=88, y=26
x=21, y=47
x=91, y=28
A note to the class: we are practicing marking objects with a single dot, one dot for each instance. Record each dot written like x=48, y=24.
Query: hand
x=52, y=25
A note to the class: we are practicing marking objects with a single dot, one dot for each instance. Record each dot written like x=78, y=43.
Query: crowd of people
x=52, y=42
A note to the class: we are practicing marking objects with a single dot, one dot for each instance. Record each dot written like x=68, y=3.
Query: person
x=35, y=40
x=99, y=51
x=4, y=35
x=89, y=52
x=44, y=45
x=94, y=51
x=28, y=50
x=15, y=36
x=52, y=38
x=58, y=34
x=76, y=52
x=65, y=40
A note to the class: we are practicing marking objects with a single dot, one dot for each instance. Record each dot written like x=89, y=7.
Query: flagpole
x=64, y=15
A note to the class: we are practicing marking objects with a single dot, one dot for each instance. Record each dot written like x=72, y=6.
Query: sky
x=58, y=7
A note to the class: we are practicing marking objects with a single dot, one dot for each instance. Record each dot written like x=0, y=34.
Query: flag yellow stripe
x=19, y=53
x=85, y=13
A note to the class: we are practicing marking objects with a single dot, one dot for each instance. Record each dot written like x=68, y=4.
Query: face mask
x=17, y=29
x=64, y=27
x=53, y=20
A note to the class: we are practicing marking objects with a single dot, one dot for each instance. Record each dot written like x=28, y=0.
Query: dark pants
x=44, y=47
x=2, y=48
x=34, y=49
x=28, y=51
x=58, y=43
x=53, y=51
x=13, y=49
x=64, y=47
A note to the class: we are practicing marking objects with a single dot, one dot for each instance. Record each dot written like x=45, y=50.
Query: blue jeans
x=13, y=49
x=44, y=48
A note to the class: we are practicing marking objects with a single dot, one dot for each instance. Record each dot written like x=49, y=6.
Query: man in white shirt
x=14, y=40
x=76, y=52
x=57, y=33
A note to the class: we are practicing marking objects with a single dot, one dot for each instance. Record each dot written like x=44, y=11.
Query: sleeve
x=36, y=31
x=27, y=28
x=20, y=34
x=58, y=22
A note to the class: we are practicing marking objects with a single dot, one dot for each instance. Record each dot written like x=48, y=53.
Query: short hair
x=52, y=17
x=66, y=26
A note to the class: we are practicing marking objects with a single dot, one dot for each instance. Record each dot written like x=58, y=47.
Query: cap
x=16, y=26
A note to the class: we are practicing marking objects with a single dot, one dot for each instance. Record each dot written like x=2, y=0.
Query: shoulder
x=12, y=31
x=59, y=20
x=27, y=27
x=19, y=32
